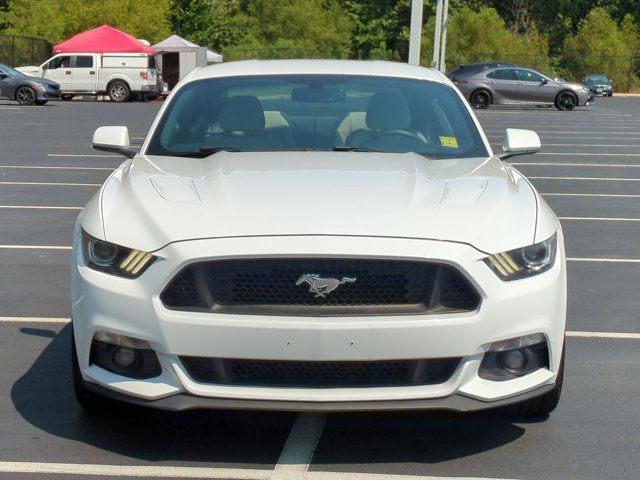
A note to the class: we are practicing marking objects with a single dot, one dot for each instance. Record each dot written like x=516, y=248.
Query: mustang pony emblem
x=322, y=286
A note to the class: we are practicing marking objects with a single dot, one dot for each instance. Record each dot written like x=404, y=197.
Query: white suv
x=318, y=235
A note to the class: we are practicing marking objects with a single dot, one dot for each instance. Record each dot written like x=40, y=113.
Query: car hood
x=152, y=201
x=30, y=70
x=46, y=81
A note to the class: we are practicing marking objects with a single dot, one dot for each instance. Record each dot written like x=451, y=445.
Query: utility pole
x=438, y=35
x=440, y=38
x=416, y=32
x=442, y=65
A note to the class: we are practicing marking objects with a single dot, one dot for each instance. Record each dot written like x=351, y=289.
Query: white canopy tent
x=175, y=42
x=179, y=56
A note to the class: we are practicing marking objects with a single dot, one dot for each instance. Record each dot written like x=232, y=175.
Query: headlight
x=524, y=262
x=40, y=84
x=114, y=259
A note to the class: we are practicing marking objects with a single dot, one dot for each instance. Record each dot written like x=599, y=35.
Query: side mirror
x=545, y=81
x=113, y=139
x=519, y=142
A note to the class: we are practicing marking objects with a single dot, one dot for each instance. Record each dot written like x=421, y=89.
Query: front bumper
x=47, y=93
x=133, y=308
x=601, y=90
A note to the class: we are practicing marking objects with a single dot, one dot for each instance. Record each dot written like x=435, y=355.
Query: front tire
x=542, y=406
x=119, y=91
x=26, y=96
x=480, y=99
x=566, y=101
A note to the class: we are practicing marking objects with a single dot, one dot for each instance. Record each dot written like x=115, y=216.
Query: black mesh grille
x=320, y=374
x=320, y=287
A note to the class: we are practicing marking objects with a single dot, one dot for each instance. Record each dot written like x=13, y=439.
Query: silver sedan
x=509, y=86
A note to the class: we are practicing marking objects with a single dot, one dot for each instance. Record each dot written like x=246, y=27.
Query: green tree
x=600, y=45
x=213, y=23
x=482, y=35
x=57, y=20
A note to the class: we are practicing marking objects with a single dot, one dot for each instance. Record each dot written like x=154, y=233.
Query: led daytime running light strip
x=505, y=264
x=135, y=261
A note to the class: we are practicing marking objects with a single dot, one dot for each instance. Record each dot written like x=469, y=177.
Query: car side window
x=84, y=61
x=529, y=76
x=503, y=74
x=59, y=62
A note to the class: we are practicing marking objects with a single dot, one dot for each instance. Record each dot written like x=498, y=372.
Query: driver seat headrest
x=242, y=114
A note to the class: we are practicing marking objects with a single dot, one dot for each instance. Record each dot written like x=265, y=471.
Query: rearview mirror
x=113, y=139
x=519, y=142
x=318, y=95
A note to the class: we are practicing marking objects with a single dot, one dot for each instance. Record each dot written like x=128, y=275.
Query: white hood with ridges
x=154, y=201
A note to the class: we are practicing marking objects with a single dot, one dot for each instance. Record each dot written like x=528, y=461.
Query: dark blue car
x=26, y=90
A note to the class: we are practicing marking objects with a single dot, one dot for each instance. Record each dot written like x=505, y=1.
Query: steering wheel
x=402, y=133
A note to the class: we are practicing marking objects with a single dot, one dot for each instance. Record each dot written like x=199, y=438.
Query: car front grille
x=344, y=374
x=362, y=287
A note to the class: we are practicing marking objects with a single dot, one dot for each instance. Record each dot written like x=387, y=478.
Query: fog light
x=514, y=360
x=123, y=357
x=126, y=356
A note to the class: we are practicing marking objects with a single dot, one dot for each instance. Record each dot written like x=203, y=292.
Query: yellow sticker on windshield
x=450, y=142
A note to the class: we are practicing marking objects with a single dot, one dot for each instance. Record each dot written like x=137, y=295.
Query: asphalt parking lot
x=588, y=171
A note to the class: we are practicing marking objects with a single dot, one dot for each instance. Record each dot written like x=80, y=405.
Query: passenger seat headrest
x=388, y=111
x=242, y=114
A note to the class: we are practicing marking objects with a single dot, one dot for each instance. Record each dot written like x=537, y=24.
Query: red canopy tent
x=104, y=39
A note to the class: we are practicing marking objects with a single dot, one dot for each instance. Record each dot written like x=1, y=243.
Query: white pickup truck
x=119, y=75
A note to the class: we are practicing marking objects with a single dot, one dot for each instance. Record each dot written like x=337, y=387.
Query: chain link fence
x=18, y=51
x=231, y=54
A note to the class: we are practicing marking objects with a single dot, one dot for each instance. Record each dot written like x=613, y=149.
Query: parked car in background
x=318, y=235
x=469, y=68
x=514, y=86
x=26, y=90
x=119, y=75
x=599, y=84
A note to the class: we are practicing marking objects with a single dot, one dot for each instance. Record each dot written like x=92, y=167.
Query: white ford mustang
x=318, y=235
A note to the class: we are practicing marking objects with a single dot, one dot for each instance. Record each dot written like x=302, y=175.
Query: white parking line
x=588, y=154
x=595, y=179
x=36, y=207
x=586, y=165
x=34, y=320
x=589, y=145
x=146, y=471
x=603, y=195
x=34, y=247
x=600, y=134
x=82, y=155
x=604, y=260
x=50, y=167
x=301, y=443
x=53, y=184
x=600, y=219
x=614, y=335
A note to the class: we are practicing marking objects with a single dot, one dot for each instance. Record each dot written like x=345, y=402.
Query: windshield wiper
x=340, y=148
x=344, y=148
x=203, y=152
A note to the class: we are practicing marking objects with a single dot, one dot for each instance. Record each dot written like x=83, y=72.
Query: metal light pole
x=415, y=32
x=438, y=35
x=442, y=66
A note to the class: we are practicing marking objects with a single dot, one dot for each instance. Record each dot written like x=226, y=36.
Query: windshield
x=10, y=71
x=597, y=78
x=316, y=112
